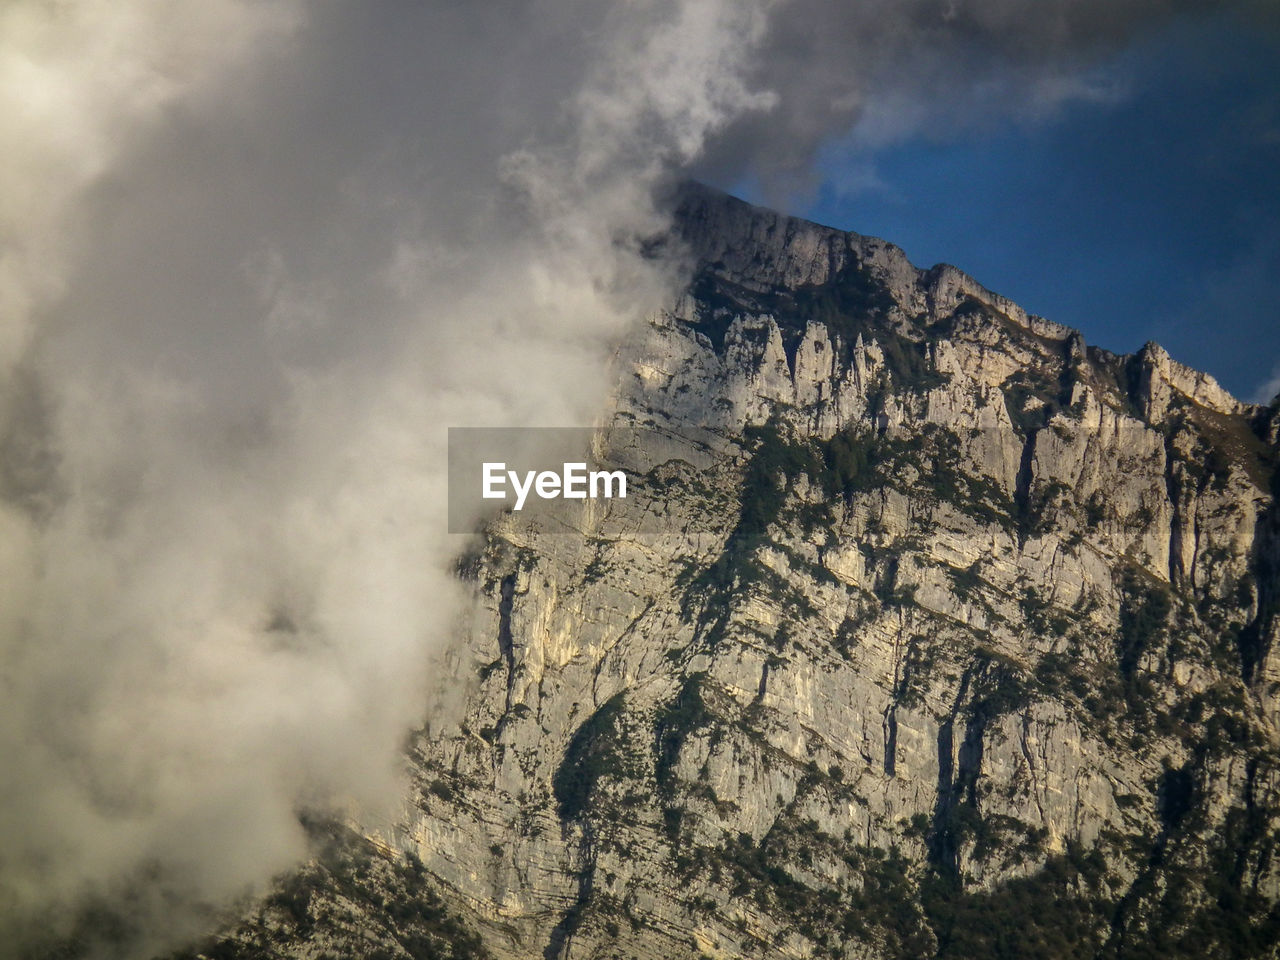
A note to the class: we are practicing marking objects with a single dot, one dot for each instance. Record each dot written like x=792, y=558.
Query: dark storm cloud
x=930, y=67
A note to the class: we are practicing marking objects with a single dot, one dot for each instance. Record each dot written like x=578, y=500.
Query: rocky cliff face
x=960, y=641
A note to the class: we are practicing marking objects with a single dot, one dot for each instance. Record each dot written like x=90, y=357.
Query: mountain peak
x=751, y=260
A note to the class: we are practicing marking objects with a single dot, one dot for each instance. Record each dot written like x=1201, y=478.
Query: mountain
x=952, y=637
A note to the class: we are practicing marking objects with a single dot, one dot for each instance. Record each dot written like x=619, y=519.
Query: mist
x=255, y=258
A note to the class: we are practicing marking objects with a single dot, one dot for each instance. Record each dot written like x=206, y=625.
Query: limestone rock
x=981, y=649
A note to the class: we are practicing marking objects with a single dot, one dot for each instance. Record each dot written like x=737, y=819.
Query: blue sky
x=1147, y=208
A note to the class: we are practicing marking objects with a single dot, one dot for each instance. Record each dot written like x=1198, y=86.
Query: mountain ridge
x=710, y=221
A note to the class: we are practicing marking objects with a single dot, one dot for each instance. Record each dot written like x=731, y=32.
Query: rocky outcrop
x=957, y=638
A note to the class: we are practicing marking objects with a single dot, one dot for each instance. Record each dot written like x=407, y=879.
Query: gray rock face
x=977, y=659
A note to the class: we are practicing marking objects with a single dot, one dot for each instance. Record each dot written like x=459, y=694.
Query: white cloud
x=1269, y=388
